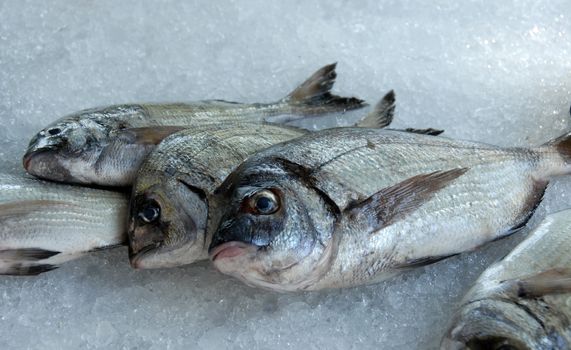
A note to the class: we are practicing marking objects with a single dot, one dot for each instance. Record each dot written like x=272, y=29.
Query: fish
x=346, y=207
x=105, y=146
x=171, y=204
x=523, y=301
x=44, y=224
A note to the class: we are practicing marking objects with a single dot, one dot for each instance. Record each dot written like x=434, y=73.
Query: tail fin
x=382, y=115
x=314, y=95
x=26, y=261
x=563, y=146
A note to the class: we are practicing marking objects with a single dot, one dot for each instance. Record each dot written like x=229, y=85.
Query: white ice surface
x=492, y=71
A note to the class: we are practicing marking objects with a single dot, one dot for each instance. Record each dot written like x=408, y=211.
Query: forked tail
x=314, y=97
x=561, y=147
x=26, y=261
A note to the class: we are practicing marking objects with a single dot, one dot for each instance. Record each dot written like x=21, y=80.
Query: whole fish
x=105, y=146
x=348, y=206
x=43, y=224
x=522, y=302
x=172, y=203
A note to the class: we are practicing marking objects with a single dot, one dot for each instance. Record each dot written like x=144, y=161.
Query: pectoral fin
x=148, y=135
x=552, y=281
x=382, y=115
x=396, y=202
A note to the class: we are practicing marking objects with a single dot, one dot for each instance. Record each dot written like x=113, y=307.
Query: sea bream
x=105, y=146
x=172, y=205
x=348, y=206
x=44, y=224
x=522, y=302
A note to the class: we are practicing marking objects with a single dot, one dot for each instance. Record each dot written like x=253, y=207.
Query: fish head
x=274, y=230
x=69, y=148
x=497, y=324
x=167, y=223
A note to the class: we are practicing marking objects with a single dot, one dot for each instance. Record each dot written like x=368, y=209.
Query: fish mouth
x=32, y=154
x=229, y=250
x=135, y=258
x=44, y=163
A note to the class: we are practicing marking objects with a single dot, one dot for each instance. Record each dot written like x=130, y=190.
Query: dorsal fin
x=394, y=203
x=382, y=115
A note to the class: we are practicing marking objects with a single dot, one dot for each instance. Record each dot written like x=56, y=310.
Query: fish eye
x=493, y=343
x=150, y=212
x=264, y=202
x=54, y=131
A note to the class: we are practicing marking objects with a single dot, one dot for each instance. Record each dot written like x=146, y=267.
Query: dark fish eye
x=493, y=343
x=150, y=212
x=264, y=202
x=54, y=131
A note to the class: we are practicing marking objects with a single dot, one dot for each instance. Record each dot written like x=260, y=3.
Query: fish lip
x=229, y=250
x=30, y=154
x=134, y=258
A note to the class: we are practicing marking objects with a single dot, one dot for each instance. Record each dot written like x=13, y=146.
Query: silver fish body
x=522, y=302
x=105, y=146
x=345, y=207
x=44, y=224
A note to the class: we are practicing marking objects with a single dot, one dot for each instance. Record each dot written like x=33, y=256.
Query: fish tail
x=314, y=97
x=25, y=261
x=382, y=114
x=561, y=148
x=563, y=145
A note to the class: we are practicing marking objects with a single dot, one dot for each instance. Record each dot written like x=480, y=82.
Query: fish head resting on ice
x=167, y=223
x=276, y=228
x=67, y=149
x=496, y=324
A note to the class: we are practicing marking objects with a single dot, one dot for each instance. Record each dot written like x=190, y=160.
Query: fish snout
x=232, y=239
x=44, y=163
x=142, y=241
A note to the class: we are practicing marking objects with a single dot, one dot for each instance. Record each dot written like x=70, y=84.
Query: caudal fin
x=563, y=146
x=26, y=261
x=314, y=97
x=382, y=115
